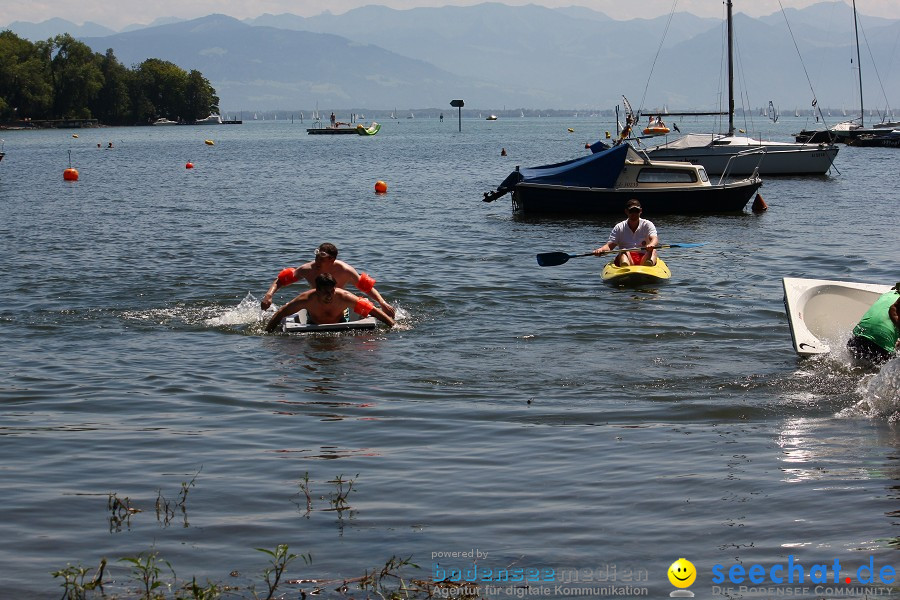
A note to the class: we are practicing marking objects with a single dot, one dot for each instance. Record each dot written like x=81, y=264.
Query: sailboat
x=743, y=155
x=848, y=130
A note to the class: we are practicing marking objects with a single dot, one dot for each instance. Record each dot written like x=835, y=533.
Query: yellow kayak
x=636, y=274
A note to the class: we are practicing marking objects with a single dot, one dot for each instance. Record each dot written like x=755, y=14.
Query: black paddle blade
x=551, y=259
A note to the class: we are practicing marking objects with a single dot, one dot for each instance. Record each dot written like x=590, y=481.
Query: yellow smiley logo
x=682, y=573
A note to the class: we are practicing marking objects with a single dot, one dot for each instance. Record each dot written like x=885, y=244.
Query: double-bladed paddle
x=552, y=259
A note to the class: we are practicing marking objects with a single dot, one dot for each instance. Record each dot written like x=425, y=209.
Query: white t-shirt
x=622, y=236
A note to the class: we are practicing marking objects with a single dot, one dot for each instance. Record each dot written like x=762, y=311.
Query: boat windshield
x=661, y=175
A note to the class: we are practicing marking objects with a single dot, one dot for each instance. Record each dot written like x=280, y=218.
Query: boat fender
x=759, y=205
x=365, y=283
x=287, y=276
x=363, y=307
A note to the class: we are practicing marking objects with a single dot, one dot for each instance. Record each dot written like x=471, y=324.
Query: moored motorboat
x=822, y=313
x=164, y=121
x=629, y=275
x=656, y=127
x=889, y=139
x=602, y=183
x=299, y=323
x=210, y=120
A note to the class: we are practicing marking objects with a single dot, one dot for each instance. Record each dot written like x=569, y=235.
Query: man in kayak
x=326, y=304
x=633, y=232
x=326, y=262
x=875, y=336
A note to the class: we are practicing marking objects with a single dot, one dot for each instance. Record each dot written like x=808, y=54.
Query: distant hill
x=53, y=27
x=564, y=53
x=264, y=67
x=494, y=55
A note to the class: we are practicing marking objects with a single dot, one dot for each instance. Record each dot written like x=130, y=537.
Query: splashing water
x=245, y=313
x=881, y=392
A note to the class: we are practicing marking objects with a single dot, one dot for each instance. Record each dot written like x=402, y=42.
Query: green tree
x=77, y=78
x=25, y=85
x=113, y=104
x=63, y=78
x=161, y=86
x=200, y=98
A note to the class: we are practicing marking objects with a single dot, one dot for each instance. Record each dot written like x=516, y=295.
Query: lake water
x=531, y=414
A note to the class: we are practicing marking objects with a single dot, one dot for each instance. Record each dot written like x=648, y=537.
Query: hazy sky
x=126, y=12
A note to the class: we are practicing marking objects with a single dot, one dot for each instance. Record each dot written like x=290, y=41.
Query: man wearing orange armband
x=326, y=262
x=326, y=304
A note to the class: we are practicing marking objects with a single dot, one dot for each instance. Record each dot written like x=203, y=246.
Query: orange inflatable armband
x=363, y=307
x=287, y=276
x=365, y=284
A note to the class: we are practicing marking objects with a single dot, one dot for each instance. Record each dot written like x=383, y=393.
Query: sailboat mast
x=858, y=67
x=731, y=73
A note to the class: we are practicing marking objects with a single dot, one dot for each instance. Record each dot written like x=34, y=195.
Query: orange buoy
x=380, y=187
x=70, y=174
x=189, y=165
x=759, y=205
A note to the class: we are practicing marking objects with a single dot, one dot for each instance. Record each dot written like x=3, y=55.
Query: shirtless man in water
x=326, y=262
x=326, y=304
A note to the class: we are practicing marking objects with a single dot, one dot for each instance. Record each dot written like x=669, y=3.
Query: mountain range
x=494, y=55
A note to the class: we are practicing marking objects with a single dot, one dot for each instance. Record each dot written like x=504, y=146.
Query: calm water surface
x=530, y=413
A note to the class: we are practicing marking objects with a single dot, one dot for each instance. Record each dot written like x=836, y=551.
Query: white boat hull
x=297, y=323
x=781, y=159
x=822, y=313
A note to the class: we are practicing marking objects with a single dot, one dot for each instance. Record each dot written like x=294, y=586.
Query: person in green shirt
x=875, y=336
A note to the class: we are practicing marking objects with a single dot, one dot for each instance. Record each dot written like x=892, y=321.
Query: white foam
x=881, y=392
x=245, y=313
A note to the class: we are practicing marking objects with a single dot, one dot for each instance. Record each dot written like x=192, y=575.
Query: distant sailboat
x=773, y=112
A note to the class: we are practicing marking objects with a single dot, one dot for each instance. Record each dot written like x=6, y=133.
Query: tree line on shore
x=62, y=78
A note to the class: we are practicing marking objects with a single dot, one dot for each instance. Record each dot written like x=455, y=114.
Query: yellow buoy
x=209, y=142
x=571, y=130
x=74, y=135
